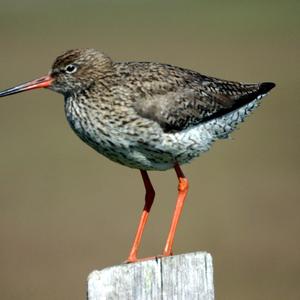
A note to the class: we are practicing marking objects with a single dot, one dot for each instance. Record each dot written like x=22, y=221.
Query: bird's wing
x=177, y=98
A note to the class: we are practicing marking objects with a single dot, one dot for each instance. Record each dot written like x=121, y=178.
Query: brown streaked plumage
x=145, y=115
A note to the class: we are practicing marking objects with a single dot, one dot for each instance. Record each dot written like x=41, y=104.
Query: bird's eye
x=71, y=69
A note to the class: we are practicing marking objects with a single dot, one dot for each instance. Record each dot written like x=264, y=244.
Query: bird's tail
x=222, y=126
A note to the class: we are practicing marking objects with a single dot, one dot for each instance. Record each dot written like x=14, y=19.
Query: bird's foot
x=135, y=259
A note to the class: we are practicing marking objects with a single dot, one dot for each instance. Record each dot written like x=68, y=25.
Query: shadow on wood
x=186, y=276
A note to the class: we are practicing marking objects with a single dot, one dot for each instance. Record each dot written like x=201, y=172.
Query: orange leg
x=149, y=198
x=182, y=192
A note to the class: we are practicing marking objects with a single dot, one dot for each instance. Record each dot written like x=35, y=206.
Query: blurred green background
x=65, y=210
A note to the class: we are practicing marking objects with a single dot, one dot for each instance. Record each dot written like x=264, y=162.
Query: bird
x=147, y=116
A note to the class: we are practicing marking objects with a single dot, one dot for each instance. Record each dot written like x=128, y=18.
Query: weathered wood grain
x=187, y=276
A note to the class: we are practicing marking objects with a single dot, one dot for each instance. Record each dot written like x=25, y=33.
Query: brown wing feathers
x=190, y=98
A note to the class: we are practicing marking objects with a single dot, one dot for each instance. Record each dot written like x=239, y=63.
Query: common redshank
x=146, y=115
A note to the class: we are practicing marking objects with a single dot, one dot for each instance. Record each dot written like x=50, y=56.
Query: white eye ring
x=71, y=68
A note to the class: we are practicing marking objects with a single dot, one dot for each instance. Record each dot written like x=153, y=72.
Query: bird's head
x=71, y=72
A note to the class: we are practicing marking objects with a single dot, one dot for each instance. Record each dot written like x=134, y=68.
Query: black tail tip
x=265, y=87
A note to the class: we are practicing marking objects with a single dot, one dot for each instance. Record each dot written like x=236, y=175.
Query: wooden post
x=187, y=276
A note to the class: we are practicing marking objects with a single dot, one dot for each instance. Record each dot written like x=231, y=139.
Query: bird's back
x=178, y=98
